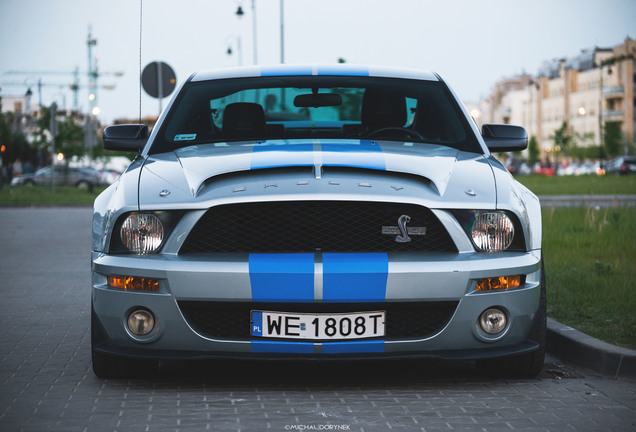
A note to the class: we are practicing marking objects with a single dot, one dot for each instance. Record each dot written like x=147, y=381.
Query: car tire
x=529, y=364
x=104, y=366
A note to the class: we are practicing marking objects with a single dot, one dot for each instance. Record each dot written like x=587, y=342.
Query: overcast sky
x=471, y=43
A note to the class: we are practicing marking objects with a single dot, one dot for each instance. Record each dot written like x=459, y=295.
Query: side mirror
x=504, y=138
x=128, y=137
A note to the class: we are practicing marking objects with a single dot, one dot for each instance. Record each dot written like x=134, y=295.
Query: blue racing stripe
x=282, y=347
x=281, y=154
x=282, y=277
x=351, y=70
x=293, y=146
x=373, y=346
x=354, y=277
x=335, y=154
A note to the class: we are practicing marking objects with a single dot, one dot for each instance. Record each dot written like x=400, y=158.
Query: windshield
x=249, y=110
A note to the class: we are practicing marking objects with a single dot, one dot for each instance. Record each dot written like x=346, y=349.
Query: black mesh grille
x=307, y=226
x=223, y=320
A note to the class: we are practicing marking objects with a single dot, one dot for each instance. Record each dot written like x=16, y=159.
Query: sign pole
x=53, y=130
x=158, y=80
x=159, y=86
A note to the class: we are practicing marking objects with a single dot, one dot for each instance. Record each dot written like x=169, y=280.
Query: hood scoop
x=202, y=164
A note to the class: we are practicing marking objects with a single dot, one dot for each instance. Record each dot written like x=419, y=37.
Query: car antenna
x=141, y=15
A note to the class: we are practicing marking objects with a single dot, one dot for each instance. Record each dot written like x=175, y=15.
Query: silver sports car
x=325, y=212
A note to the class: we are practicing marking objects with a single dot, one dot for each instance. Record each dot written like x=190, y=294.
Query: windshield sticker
x=185, y=137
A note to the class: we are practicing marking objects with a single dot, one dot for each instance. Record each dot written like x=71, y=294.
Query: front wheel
x=105, y=366
x=529, y=364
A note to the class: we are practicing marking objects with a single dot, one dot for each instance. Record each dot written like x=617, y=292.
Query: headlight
x=142, y=232
x=492, y=231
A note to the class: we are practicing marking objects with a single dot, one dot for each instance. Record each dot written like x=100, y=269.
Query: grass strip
x=590, y=260
x=580, y=185
x=42, y=195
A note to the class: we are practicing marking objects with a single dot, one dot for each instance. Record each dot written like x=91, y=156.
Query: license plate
x=339, y=326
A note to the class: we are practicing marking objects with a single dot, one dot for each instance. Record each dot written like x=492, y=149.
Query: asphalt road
x=46, y=382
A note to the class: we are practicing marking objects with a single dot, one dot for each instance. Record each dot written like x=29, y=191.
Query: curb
x=587, y=201
x=580, y=349
x=44, y=205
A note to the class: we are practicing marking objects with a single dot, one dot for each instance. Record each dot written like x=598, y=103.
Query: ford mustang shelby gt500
x=324, y=212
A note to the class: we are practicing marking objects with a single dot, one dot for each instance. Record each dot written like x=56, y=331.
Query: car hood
x=186, y=174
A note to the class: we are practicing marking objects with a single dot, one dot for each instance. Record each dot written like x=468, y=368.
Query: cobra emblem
x=402, y=222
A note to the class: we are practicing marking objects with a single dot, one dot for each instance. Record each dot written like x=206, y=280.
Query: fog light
x=140, y=322
x=493, y=321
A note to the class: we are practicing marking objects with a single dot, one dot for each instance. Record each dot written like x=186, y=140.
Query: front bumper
x=337, y=279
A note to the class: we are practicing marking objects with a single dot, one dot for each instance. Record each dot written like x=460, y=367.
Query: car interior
x=422, y=113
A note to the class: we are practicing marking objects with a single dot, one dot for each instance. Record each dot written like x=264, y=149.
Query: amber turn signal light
x=501, y=283
x=133, y=283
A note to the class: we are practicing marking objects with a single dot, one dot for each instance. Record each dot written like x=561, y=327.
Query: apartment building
x=585, y=91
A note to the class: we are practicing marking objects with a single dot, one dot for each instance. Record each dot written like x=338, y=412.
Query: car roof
x=306, y=70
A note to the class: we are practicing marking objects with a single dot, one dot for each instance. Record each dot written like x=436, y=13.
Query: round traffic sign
x=158, y=79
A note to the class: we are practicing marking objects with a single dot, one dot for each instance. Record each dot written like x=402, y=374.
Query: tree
x=5, y=137
x=69, y=140
x=42, y=137
x=533, y=151
x=13, y=143
x=562, y=139
x=613, y=138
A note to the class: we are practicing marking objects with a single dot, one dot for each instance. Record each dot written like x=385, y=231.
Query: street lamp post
x=239, y=13
x=239, y=51
x=254, y=37
x=601, y=106
x=92, y=71
x=582, y=112
x=282, y=33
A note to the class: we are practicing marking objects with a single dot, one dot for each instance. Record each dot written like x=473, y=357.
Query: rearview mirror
x=504, y=138
x=317, y=100
x=128, y=137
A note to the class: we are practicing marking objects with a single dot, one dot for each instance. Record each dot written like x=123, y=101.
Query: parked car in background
x=580, y=168
x=83, y=177
x=622, y=165
x=544, y=169
x=317, y=212
x=109, y=176
x=518, y=167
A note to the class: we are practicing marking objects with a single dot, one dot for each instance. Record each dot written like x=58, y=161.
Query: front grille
x=307, y=226
x=229, y=320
